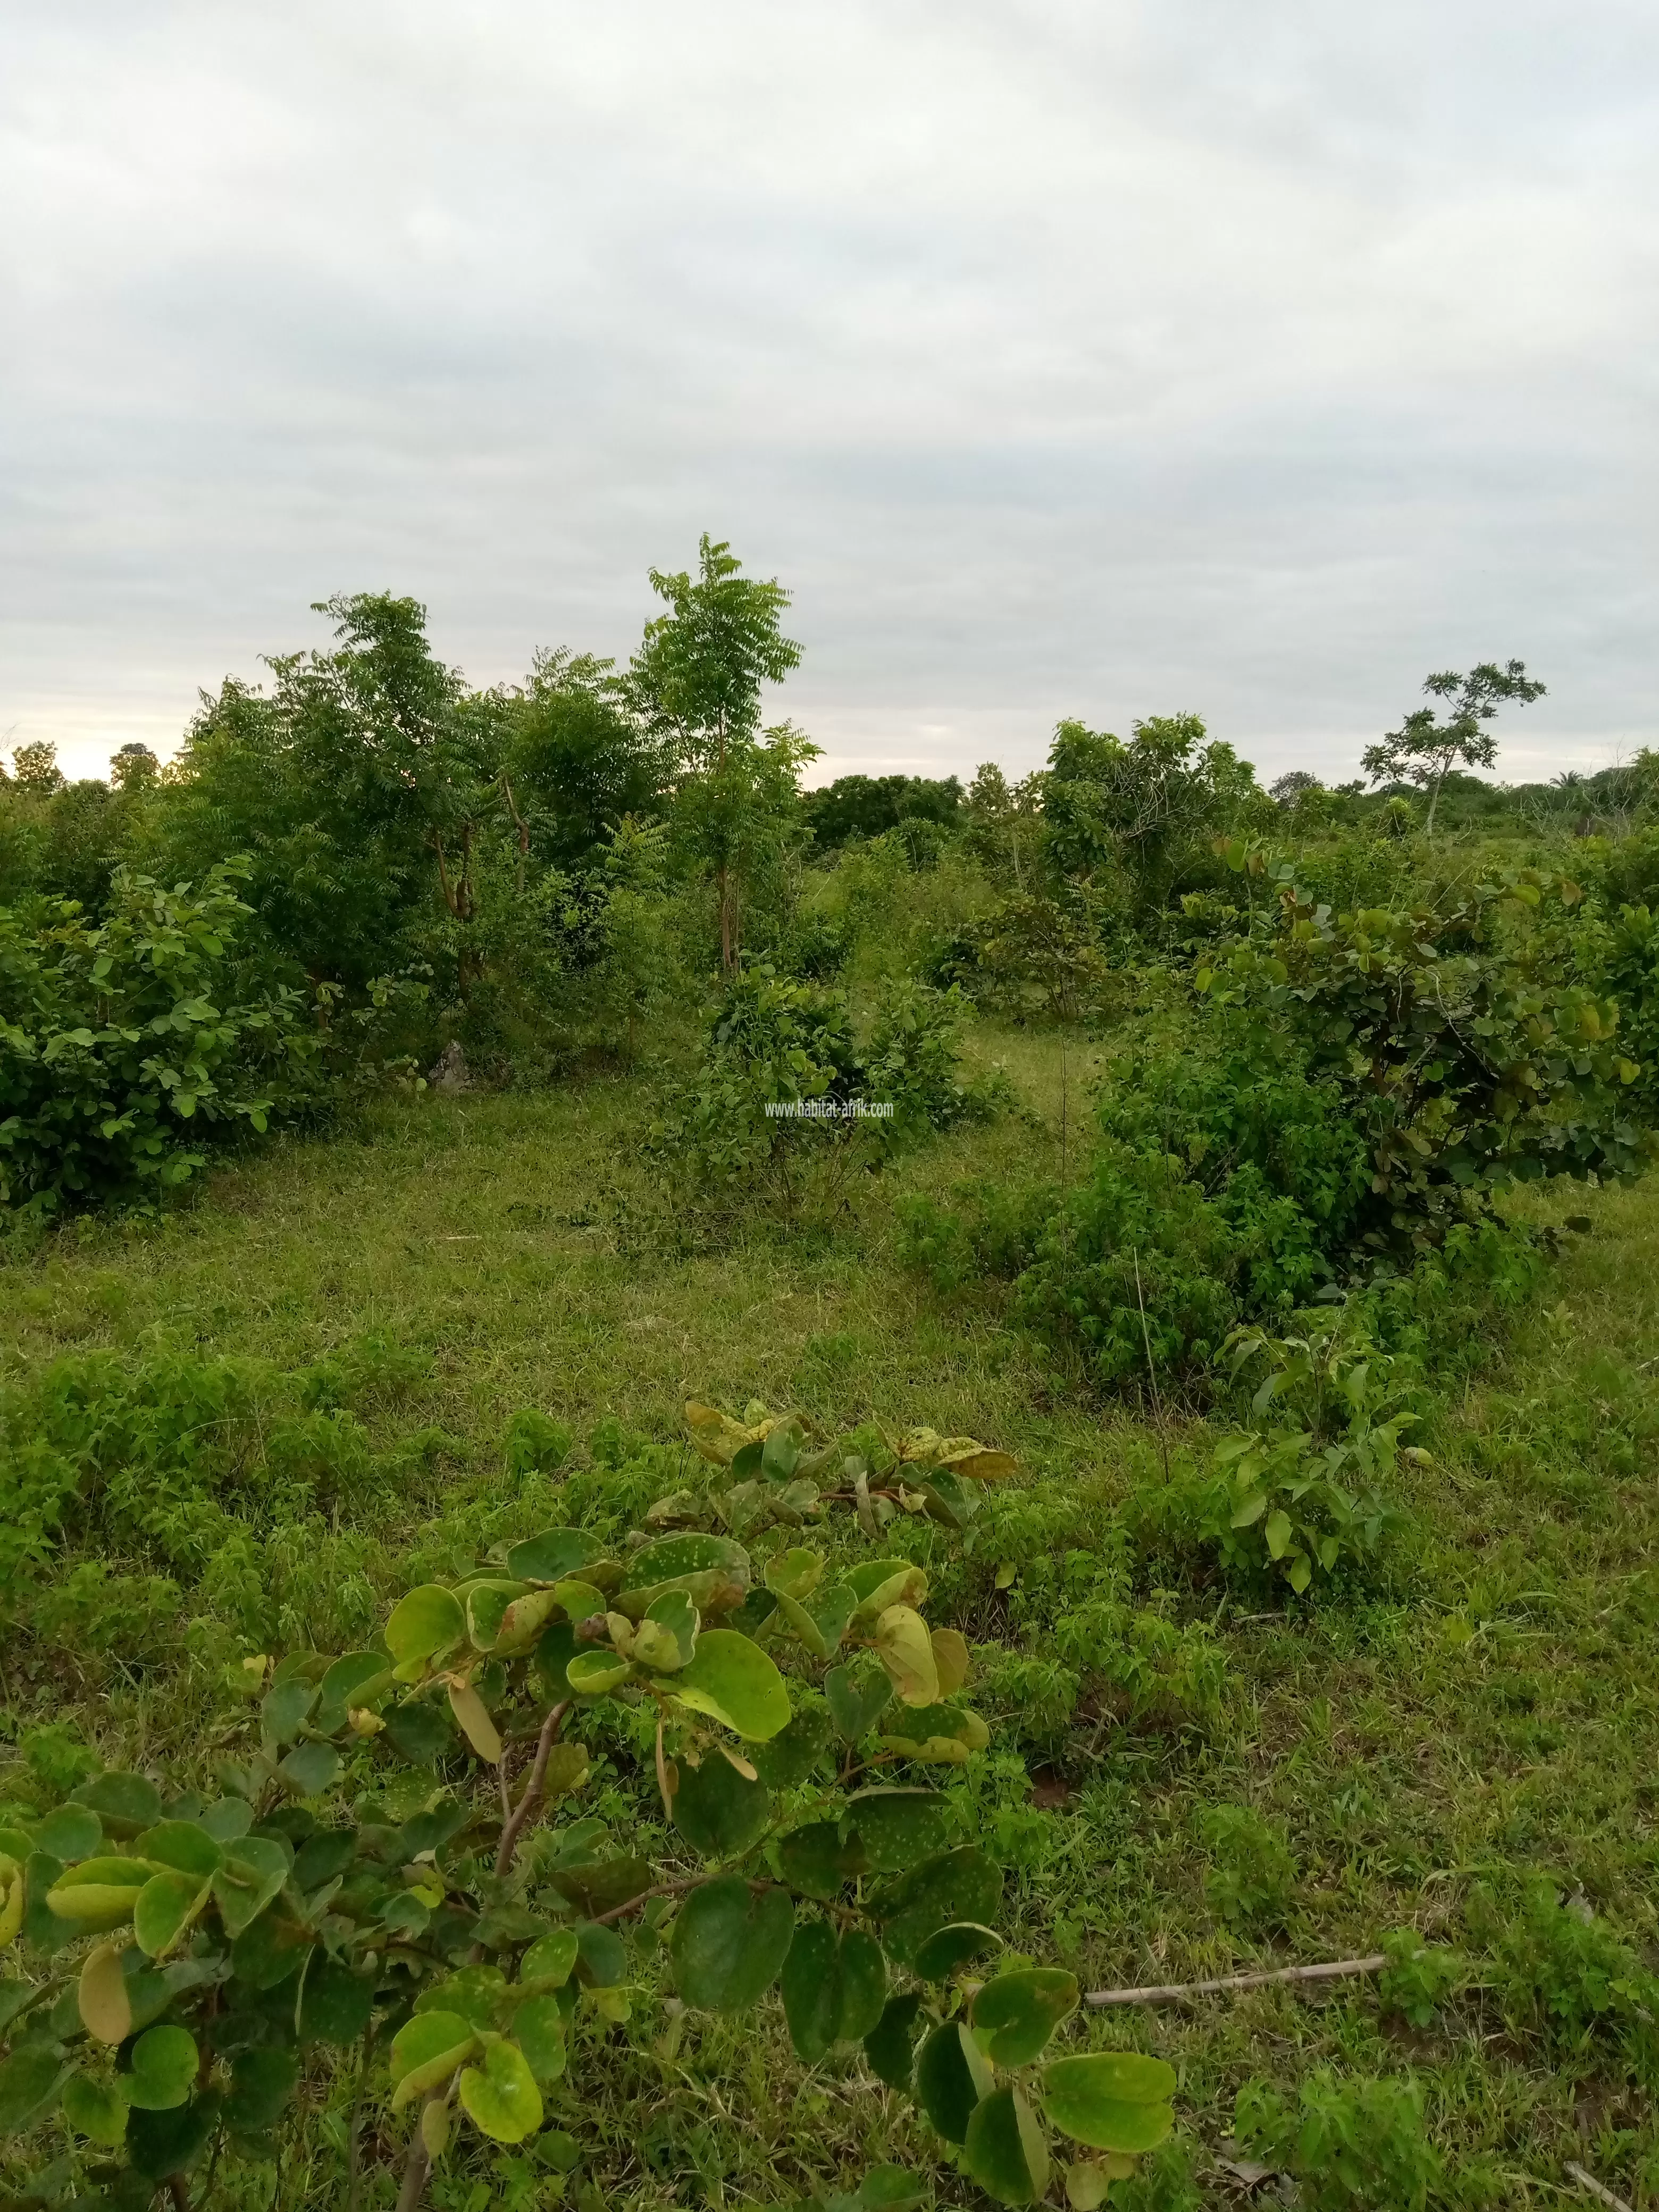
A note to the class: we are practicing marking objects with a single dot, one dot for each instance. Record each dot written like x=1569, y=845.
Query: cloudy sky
x=1102, y=357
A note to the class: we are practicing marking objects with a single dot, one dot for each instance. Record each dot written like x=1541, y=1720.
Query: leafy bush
x=1419, y=1976
x=1349, y=2143
x=1565, y=1972
x=190, y=1958
x=993, y=1229
x=1251, y=1876
x=117, y=1063
x=1307, y=1496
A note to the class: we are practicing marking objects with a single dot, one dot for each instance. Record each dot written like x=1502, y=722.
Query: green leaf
x=419, y=1732
x=425, y=2052
x=30, y=2081
x=420, y=1626
x=538, y=2029
x=353, y=1680
x=1277, y=1532
x=719, y=1812
x=98, y=1894
x=262, y=2084
x=957, y=1885
x=900, y=1826
x=818, y=1859
x=955, y=1944
x=548, y=1962
x=835, y=1987
x=476, y=1993
x=335, y=2003
x=166, y=2142
x=1110, y=2099
x=820, y=1622
x=485, y=1604
x=1016, y=2014
x=125, y=1803
x=594, y=1674
x=1005, y=2152
x=266, y=1954
x=309, y=1769
x=97, y=2110
x=889, y=2046
x=951, y=2077
x=667, y=1639
x=879, y=1584
x=734, y=1682
x=729, y=1943
x=890, y=2188
x=166, y=1908
x=73, y=1831
x=795, y=1573
x=285, y=1708
x=553, y=1555
x=857, y=1700
x=601, y=1957
x=165, y=2062
x=788, y=1758
x=597, y=1886
x=184, y=1846
x=500, y=2096
x=254, y=1869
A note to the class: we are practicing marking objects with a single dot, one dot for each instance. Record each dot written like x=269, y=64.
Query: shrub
x=1565, y=1973
x=1252, y=1876
x=192, y=1958
x=122, y=1049
x=1349, y=2143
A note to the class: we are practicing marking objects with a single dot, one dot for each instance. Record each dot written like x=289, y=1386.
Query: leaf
x=818, y=1859
x=879, y=1584
x=856, y=1701
x=795, y=1573
x=184, y=1846
x=1114, y=2100
x=601, y=1885
x=166, y=1908
x=97, y=1893
x=734, y=1682
x=889, y=2047
x=1088, y=2180
x=957, y=1944
x=666, y=1637
x=125, y=1803
x=485, y=1603
x=547, y=1964
x=1005, y=2152
x=553, y=1555
x=335, y=2003
x=906, y=1650
x=476, y=1725
x=476, y=1993
x=309, y=1769
x=729, y=1943
x=956, y=1884
x=285, y=1708
x=500, y=2096
x=833, y=1986
x=718, y=1812
x=425, y=2052
x=538, y=2029
x=1277, y=1532
x=951, y=1659
x=254, y=1869
x=419, y=1732
x=30, y=2081
x=165, y=2062
x=97, y=2110
x=594, y=1673
x=101, y=1998
x=262, y=2084
x=437, y=2123
x=1016, y=2014
x=420, y=1626
x=951, y=2075
x=821, y=1621
x=601, y=1956
x=898, y=1827
x=789, y=1757
x=73, y=1831
x=351, y=1680
x=160, y=2143
x=673, y=1558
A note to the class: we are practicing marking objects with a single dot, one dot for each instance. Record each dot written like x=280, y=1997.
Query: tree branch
x=1169, y=1992
x=530, y=1796
x=1602, y=2195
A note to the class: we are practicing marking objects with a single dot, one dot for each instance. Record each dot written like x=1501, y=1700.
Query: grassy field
x=1422, y=1753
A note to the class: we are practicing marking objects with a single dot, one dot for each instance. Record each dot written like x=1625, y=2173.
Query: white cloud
x=1093, y=358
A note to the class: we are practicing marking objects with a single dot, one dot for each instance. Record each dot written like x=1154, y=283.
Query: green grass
x=1487, y=1717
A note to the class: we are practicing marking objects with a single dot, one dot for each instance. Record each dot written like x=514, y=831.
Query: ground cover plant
x=458, y=1746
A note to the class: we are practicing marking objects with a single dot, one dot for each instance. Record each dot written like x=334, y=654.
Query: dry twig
x=1329, y=1970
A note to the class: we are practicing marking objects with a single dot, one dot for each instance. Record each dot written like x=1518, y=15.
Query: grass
x=1423, y=1754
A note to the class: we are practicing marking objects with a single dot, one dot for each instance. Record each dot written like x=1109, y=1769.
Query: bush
x=1251, y=1876
x=1349, y=2143
x=1564, y=1973
x=191, y=1959
x=117, y=1062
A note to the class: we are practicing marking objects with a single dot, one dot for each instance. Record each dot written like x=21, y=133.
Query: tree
x=696, y=682
x=1423, y=748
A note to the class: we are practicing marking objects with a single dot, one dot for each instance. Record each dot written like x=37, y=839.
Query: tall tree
x=1423, y=748
x=696, y=682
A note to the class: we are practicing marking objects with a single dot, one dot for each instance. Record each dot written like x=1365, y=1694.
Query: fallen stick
x=1331, y=1970
x=1588, y=2181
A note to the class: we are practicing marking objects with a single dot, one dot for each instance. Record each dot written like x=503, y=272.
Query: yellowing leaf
x=105, y=2008
x=906, y=1650
x=950, y=1658
x=474, y=1720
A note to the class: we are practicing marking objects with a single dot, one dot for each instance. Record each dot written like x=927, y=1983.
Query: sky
x=1104, y=358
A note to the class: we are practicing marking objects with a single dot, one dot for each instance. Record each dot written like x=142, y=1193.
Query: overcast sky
x=1253, y=357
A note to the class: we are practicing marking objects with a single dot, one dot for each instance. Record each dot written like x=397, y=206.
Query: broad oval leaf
x=335, y=2003
x=790, y=1756
x=593, y=1673
x=1016, y=2014
x=353, y=1678
x=165, y=2062
x=538, y=2029
x=821, y=1620
x=125, y=1803
x=957, y=1944
x=500, y=2096
x=97, y=2109
x=951, y=1886
x=730, y=1943
x=547, y=1964
x=254, y=1869
x=101, y=1998
x=309, y=1769
x=879, y=1584
x=951, y=2075
x=900, y=1826
x=719, y=1812
x=1114, y=2100
x=472, y=1716
x=420, y=1626
x=951, y=1659
x=889, y=2047
x=262, y=2083
x=734, y=1682
x=182, y=1845
x=1004, y=2150
x=553, y=1555
x=73, y=1831
x=835, y=1988
x=795, y=1573
x=166, y=1908
x=425, y=2052
x=906, y=1650
x=818, y=1859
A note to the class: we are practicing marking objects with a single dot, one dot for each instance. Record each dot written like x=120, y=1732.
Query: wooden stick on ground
x=1168, y=1993
x=1602, y=2195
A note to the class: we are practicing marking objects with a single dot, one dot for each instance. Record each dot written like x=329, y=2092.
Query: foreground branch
x=512, y=1828
x=1602, y=2195
x=1167, y=1993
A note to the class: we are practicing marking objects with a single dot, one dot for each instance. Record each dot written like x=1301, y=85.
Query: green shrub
x=1564, y=1974
x=191, y=1959
x=123, y=1052
x=1349, y=2143
x=1419, y=1976
x=1251, y=1877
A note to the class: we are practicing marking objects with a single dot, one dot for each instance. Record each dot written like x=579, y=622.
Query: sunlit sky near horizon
x=1249, y=357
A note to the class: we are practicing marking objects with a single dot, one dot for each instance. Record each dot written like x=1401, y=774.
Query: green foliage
x=1251, y=1876
x=1419, y=1976
x=868, y=806
x=123, y=1046
x=1563, y=1970
x=1349, y=2143
x=1424, y=749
